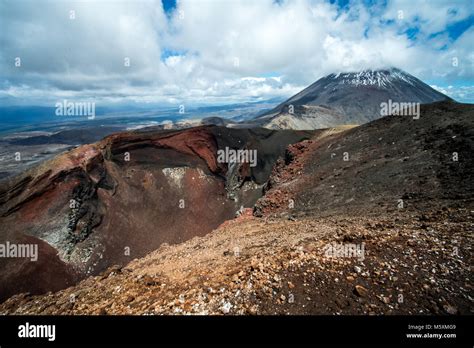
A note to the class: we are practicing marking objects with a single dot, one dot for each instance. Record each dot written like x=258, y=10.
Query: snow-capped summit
x=381, y=78
x=351, y=98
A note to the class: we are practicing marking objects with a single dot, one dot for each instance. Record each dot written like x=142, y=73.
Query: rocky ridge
x=416, y=256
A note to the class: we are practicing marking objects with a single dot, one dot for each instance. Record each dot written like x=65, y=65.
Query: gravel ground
x=410, y=265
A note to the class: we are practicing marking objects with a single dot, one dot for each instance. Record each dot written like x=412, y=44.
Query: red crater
x=116, y=200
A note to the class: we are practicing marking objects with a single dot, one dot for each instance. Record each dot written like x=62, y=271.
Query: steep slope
x=271, y=267
x=416, y=257
x=348, y=98
x=118, y=199
x=306, y=117
x=391, y=164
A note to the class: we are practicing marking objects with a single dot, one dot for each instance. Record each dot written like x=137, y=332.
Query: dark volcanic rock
x=349, y=98
x=392, y=164
x=415, y=257
x=116, y=200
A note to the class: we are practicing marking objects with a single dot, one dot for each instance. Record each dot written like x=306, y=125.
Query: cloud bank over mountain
x=199, y=52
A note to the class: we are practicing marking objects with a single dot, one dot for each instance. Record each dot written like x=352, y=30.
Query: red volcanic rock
x=278, y=197
x=116, y=200
x=345, y=188
x=244, y=170
x=82, y=157
x=243, y=215
x=372, y=167
x=194, y=142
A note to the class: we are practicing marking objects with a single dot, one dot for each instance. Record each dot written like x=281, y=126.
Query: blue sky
x=196, y=52
x=169, y=5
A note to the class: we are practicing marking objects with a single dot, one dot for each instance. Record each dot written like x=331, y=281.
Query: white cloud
x=457, y=93
x=223, y=47
x=433, y=16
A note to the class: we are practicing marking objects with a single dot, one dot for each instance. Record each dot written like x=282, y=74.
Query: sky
x=199, y=52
